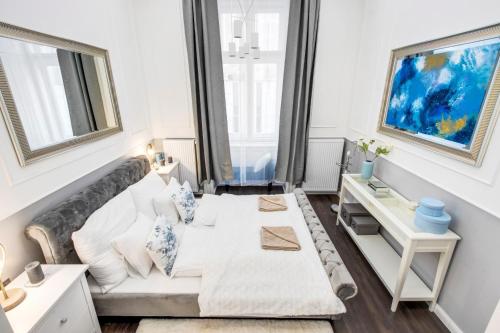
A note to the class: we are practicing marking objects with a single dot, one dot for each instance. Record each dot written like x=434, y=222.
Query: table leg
x=442, y=268
x=341, y=201
x=404, y=267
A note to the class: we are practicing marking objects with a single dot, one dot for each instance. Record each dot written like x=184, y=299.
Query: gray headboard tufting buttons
x=53, y=229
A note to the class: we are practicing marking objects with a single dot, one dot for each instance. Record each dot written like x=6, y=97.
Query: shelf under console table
x=393, y=213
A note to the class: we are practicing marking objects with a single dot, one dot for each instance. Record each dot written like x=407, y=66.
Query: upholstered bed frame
x=53, y=230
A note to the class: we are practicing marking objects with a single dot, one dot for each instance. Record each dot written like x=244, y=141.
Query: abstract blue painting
x=439, y=95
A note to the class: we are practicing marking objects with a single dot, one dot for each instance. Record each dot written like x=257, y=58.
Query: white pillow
x=193, y=252
x=93, y=241
x=164, y=204
x=162, y=245
x=208, y=208
x=145, y=190
x=108, y=270
x=185, y=202
x=131, y=245
x=179, y=229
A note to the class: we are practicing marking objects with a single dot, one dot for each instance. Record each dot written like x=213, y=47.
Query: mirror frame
x=8, y=108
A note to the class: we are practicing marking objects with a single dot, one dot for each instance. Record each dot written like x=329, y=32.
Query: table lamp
x=150, y=150
x=9, y=299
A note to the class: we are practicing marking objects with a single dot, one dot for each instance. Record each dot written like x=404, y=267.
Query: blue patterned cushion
x=185, y=202
x=162, y=245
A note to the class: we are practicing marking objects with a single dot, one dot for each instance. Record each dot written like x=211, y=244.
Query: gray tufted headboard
x=53, y=229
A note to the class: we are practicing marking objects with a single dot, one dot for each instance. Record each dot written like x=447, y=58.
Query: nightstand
x=61, y=304
x=168, y=171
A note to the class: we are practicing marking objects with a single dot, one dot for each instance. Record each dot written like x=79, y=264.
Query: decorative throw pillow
x=108, y=270
x=164, y=204
x=131, y=244
x=207, y=210
x=93, y=241
x=162, y=245
x=185, y=202
x=145, y=190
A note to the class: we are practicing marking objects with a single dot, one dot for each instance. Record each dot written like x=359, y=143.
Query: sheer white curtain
x=37, y=87
x=253, y=86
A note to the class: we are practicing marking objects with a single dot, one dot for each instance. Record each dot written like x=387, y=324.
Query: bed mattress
x=238, y=269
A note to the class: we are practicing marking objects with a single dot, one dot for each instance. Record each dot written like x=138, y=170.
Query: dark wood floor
x=368, y=312
x=242, y=190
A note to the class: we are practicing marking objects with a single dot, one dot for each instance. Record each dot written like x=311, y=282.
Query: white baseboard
x=446, y=320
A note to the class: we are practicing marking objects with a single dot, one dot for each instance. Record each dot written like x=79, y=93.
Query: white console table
x=393, y=213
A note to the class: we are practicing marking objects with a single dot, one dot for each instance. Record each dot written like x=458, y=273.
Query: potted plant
x=367, y=166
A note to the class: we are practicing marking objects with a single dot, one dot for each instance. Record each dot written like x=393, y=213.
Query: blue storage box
x=432, y=224
x=431, y=207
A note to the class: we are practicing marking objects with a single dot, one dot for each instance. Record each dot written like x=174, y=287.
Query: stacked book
x=378, y=186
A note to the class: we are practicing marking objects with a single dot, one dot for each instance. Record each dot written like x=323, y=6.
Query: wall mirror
x=55, y=93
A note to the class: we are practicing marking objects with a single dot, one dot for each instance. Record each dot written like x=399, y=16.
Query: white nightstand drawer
x=70, y=314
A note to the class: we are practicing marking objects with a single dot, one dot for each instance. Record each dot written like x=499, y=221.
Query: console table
x=393, y=213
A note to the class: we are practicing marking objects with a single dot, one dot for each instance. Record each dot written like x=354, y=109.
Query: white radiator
x=184, y=151
x=322, y=171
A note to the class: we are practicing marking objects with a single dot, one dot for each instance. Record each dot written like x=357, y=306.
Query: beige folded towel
x=279, y=238
x=272, y=203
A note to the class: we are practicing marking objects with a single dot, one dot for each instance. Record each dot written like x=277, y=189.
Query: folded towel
x=272, y=203
x=279, y=238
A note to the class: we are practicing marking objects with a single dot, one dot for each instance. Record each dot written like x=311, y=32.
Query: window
x=253, y=86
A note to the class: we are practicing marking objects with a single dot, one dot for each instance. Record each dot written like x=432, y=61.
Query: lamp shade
x=254, y=41
x=238, y=29
x=232, y=49
x=246, y=49
x=150, y=150
x=256, y=53
x=9, y=299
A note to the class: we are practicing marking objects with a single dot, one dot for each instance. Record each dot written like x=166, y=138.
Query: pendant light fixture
x=232, y=49
x=241, y=53
x=254, y=40
x=238, y=28
x=256, y=53
x=246, y=49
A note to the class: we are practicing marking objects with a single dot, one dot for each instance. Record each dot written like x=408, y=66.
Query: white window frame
x=247, y=109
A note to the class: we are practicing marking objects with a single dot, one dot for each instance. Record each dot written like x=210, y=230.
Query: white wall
x=161, y=36
x=494, y=324
x=160, y=31
x=107, y=24
x=392, y=24
x=336, y=53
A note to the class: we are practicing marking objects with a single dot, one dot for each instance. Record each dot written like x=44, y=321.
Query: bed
x=181, y=297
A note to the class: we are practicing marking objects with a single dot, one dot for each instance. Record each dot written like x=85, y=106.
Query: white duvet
x=241, y=279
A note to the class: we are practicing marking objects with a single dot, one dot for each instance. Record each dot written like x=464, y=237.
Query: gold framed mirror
x=55, y=93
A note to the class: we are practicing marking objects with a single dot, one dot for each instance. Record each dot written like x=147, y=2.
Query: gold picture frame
x=484, y=120
x=8, y=107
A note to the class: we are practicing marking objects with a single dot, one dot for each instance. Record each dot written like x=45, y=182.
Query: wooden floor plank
x=370, y=310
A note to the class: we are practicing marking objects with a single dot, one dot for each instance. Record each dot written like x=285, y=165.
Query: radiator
x=322, y=171
x=184, y=151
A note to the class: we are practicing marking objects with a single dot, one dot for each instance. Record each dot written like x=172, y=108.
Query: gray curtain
x=81, y=85
x=297, y=88
x=201, y=23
